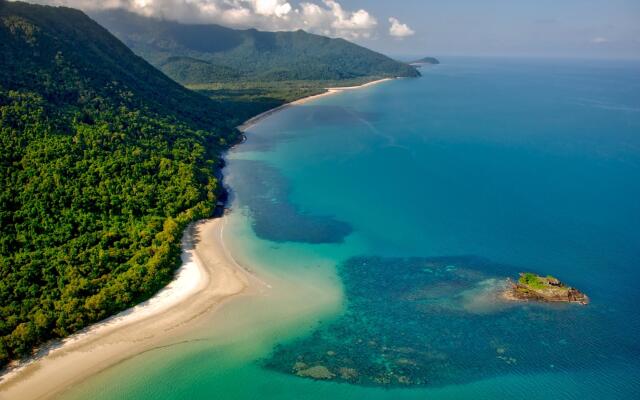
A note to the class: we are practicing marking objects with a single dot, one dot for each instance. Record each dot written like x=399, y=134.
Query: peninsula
x=426, y=60
x=540, y=288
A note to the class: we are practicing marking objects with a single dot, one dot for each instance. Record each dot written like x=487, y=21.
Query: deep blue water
x=522, y=164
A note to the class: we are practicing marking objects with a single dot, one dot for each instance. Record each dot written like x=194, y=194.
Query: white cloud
x=599, y=40
x=278, y=8
x=398, y=29
x=326, y=17
x=333, y=20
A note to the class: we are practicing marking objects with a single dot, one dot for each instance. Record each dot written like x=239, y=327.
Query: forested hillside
x=104, y=160
x=204, y=54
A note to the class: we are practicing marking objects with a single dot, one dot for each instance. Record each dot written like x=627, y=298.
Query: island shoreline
x=31, y=377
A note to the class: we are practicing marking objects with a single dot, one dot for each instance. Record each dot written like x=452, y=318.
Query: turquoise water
x=386, y=220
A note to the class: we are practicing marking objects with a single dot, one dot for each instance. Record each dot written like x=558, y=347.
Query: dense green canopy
x=103, y=162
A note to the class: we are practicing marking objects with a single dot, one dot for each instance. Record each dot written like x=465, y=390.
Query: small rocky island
x=543, y=288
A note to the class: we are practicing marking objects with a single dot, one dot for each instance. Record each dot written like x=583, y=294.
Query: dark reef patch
x=440, y=321
x=264, y=191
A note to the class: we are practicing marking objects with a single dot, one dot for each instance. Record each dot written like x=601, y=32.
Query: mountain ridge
x=252, y=54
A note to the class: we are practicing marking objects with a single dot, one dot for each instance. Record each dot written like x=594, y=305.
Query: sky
x=534, y=28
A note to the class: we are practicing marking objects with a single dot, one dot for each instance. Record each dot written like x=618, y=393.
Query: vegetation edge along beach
x=31, y=377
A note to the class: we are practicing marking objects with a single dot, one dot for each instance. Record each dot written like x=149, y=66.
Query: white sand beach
x=207, y=277
x=329, y=91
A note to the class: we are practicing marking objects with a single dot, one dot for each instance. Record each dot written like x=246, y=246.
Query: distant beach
x=329, y=91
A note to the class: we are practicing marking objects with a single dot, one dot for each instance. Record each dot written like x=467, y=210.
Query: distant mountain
x=426, y=60
x=46, y=46
x=199, y=54
x=103, y=162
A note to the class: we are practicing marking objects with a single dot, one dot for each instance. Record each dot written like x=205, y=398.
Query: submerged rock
x=540, y=288
x=348, y=374
x=317, y=372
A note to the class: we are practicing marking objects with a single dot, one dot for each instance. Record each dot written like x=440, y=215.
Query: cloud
x=599, y=40
x=326, y=17
x=398, y=29
x=276, y=8
x=333, y=20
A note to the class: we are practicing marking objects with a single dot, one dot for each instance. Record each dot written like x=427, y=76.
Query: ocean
x=385, y=221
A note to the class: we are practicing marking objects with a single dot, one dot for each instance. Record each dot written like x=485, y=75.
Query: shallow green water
x=385, y=218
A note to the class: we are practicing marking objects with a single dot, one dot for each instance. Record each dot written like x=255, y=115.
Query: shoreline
x=328, y=92
x=208, y=276
x=186, y=280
